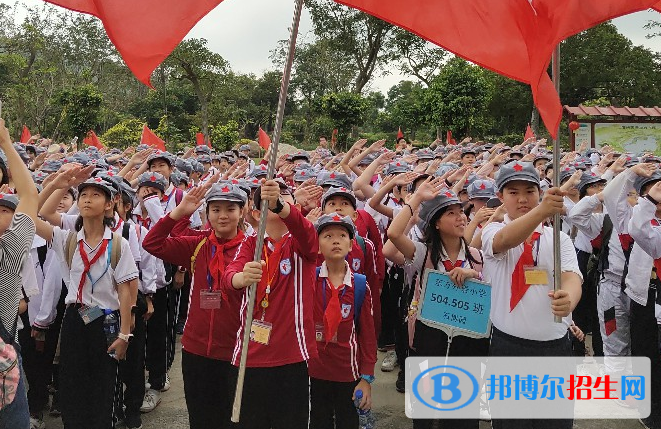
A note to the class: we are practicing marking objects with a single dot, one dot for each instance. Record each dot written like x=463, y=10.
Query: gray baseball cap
x=640, y=182
x=203, y=149
x=397, y=167
x=344, y=192
x=588, y=179
x=244, y=147
x=335, y=219
x=333, y=179
x=166, y=156
x=9, y=201
x=566, y=173
x=428, y=209
x=481, y=189
x=100, y=183
x=516, y=170
x=226, y=191
x=153, y=179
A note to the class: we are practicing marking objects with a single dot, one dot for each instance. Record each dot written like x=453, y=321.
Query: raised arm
x=22, y=179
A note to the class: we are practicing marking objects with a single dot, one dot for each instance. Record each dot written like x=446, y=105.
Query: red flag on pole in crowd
x=334, y=139
x=522, y=34
x=25, y=135
x=200, y=140
x=529, y=133
x=449, y=139
x=151, y=139
x=264, y=139
x=92, y=140
x=400, y=134
x=125, y=22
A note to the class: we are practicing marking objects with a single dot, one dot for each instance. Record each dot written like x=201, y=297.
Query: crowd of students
x=107, y=256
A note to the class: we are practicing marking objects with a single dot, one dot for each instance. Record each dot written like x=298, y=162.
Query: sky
x=245, y=31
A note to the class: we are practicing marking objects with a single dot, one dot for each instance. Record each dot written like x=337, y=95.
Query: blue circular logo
x=456, y=377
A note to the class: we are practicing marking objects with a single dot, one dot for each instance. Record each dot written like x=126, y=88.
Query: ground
x=388, y=407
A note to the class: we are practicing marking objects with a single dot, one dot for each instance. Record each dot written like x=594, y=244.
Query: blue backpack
x=359, y=290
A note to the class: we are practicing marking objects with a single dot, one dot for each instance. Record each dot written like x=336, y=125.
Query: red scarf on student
x=333, y=313
x=217, y=263
x=519, y=286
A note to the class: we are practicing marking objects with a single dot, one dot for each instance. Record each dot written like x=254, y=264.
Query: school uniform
x=344, y=358
x=524, y=325
x=210, y=333
x=642, y=286
x=280, y=365
x=87, y=372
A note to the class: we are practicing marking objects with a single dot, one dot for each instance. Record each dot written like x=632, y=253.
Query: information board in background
x=455, y=310
x=583, y=135
x=629, y=137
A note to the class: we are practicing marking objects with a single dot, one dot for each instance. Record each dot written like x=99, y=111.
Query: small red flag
x=529, y=133
x=400, y=134
x=92, y=140
x=125, y=22
x=264, y=139
x=151, y=139
x=25, y=135
x=200, y=140
x=449, y=138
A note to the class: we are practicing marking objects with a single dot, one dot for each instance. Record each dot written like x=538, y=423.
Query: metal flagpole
x=557, y=273
x=286, y=75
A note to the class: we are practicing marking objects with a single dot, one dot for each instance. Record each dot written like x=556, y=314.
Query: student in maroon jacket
x=276, y=390
x=345, y=333
x=213, y=314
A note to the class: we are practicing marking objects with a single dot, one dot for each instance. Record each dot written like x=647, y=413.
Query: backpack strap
x=607, y=231
x=194, y=257
x=178, y=196
x=359, y=290
x=70, y=247
x=116, y=251
x=126, y=230
x=41, y=254
x=361, y=243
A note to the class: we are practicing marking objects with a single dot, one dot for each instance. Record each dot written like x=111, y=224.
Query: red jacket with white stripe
x=290, y=310
x=354, y=352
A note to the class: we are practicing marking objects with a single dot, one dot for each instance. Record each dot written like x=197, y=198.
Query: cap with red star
x=517, y=167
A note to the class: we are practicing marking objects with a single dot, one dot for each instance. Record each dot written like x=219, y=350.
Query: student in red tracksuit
x=346, y=342
x=276, y=390
x=213, y=314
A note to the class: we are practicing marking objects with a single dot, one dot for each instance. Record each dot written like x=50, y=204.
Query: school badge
x=285, y=267
x=355, y=264
x=346, y=309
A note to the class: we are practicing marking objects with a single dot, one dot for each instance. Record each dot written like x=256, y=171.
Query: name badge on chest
x=260, y=332
x=535, y=275
x=210, y=300
x=90, y=314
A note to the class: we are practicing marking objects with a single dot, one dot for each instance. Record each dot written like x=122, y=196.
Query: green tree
x=123, y=134
x=414, y=56
x=346, y=110
x=81, y=108
x=406, y=107
x=457, y=98
x=223, y=137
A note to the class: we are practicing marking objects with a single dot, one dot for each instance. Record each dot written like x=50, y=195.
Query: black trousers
x=390, y=295
x=161, y=335
x=87, y=374
x=132, y=369
x=429, y=341
x=585, y=314
x=331, y=406
x=644, y=342
x=184, y=296
x=38, y=365
x=503, y=344
x=276, y=398
x=209, y=386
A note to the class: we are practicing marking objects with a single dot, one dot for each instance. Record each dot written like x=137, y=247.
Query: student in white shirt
x=523, y=315
x=98, y=291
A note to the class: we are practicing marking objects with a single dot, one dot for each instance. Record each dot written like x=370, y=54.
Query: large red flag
x=529, y=133
x=92, y=140
x=264, y=139
x=145, y=32
x=25, y=135
x=151, y=139
x=400, y=134
x=521, y=34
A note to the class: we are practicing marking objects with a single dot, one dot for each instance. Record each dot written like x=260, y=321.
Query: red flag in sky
x=400, y=134
x=449, y=139
x=144, y=32
x=529, y=133
x=25, y=135
x=264, y=139
x=92, y=140
x=151, y=139
x=521, y=34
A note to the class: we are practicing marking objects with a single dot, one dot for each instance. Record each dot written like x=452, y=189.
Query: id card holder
x=260, y=332
x=210, y=300
x=319, y=332
x=535, y=275
x=90, y=314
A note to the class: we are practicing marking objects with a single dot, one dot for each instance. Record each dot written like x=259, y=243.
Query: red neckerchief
x=217, y=262
x=88, y=264
x=449, y=266
x=332, y=313
x=519, y=286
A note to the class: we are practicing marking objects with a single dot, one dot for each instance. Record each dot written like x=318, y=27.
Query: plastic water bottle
x=111, y=328
x=365, y=418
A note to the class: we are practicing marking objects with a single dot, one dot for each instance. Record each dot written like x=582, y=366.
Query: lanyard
x=264, y=287
x=107, y=244
x=536, y=258
x=209, y=278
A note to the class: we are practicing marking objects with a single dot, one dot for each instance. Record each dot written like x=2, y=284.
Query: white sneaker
x=166, y=385
x=389, y=361
x=36, y=423
x=151, y=401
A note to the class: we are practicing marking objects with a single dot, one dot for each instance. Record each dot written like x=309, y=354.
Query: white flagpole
x=286, y=76
x=557, y=273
